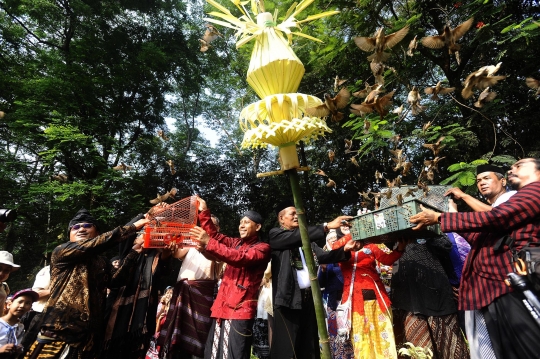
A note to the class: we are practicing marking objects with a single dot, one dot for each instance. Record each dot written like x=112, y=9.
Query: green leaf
x=467, y=178
x=458, y=166
x=479, y=162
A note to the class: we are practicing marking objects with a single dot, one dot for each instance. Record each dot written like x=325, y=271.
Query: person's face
x=489, y=185
x=345, y=229
x=78, y=232
x=4, y=272
x=522, y=173
x=116, y=264
x=331, y=240
x=20, y=306
x=248, y=228
x=288, y=218
x=215, y=223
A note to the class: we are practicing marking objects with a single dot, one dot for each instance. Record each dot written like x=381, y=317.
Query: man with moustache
x=73, y=316
x=491, y=184
x=512, y=331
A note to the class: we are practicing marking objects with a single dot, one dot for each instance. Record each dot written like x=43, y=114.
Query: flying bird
x=161, y=134
x=380, y=42
x=485, y=96
x=338, y=82
x=438, y=90
x=354, y=161
x=413, y=98
x=434, y=163
x=377, y=68
x=388, y=193
x=348, y=144
x=395, y=140
x=209, y=35
x=122, y=167
x=321, y=173
x=365, y=195
x=406, y=168
x=331, y=155
x=480, y=79
x=449, y=38
x=412, y=46
x=171, y=166
x=426, y=126
x=435, y=147
x=331, y=105
x=410, y=192
x=60, y=177
x=204, y=45
x=163, y=197
x=398, y=110
x=379, y=104
x=331, y=183
x=532, y=83
x=378, y=176
x=365, y=92
x=367, y=125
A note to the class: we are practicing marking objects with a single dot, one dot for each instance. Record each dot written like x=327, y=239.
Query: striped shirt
x=485, y=270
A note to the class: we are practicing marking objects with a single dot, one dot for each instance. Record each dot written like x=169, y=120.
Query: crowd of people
x=245, y=295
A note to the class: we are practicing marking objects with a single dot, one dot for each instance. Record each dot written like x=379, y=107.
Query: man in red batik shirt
x=235, y=307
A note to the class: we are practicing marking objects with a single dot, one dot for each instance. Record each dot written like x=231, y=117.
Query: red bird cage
x=172, y=223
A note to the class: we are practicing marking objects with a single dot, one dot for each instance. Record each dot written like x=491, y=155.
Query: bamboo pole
x=310, y=262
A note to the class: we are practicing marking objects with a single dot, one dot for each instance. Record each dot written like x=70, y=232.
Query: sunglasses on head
x=83, y=225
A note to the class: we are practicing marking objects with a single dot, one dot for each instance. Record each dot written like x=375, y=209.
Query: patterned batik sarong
x=188, y=319
x=445, y=334
x=340, y=348
x=372, y=334
x=261, y=347
x=229, y=339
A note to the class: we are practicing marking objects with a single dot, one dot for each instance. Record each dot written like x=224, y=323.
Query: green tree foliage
x=86, y=85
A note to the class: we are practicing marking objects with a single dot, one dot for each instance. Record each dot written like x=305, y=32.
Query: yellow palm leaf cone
x=274, y=67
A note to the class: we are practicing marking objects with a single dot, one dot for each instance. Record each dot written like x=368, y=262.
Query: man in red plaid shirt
x=512, y=330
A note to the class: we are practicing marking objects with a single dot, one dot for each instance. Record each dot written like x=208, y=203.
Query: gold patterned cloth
x=372, y=334
x=74, y=313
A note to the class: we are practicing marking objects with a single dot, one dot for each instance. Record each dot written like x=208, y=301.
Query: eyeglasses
x=83, y=225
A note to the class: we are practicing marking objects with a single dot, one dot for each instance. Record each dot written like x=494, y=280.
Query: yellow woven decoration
x=274, y=73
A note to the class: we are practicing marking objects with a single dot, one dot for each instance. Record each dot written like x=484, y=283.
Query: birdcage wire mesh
x=172, y=223
x=435, y=196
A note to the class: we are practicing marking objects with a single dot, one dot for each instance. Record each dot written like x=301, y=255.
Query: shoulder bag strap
x=353, y=273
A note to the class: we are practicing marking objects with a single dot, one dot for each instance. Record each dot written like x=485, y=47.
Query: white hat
x=7, y=258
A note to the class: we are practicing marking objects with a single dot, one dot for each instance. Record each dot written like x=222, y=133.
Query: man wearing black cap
x=295, y=326
x=500, y=317
x=491, y=184
x=235, y=307
x=73, y=316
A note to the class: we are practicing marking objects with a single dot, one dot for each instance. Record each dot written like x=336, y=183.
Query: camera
x=7, y=215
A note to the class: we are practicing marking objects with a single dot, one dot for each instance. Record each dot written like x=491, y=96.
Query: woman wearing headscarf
x=331, y=279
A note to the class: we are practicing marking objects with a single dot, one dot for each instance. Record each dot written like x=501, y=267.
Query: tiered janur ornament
x=274, y=73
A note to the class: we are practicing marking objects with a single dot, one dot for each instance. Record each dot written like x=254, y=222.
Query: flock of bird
x=376, y=100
